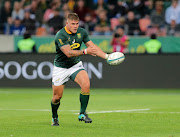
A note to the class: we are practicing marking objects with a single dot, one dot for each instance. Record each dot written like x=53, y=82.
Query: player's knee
x=86, y=87
x=56, y=98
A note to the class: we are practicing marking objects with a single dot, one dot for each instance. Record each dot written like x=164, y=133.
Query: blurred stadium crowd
x=98, y=17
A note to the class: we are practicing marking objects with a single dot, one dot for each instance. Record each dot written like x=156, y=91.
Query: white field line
x=131, y=110
x=45, y=110
x=24, y=109
x=119, y=111
x=95, y=112
x=158, y=112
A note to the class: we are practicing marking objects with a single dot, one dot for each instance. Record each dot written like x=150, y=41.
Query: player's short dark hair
x=73, y=16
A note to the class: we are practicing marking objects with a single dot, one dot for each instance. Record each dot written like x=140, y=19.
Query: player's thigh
x=82, y=79
x=57, y=91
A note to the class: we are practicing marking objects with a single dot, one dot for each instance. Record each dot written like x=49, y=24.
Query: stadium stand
x=145, y=18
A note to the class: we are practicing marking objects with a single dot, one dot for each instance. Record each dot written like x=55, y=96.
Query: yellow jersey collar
x=67, y=30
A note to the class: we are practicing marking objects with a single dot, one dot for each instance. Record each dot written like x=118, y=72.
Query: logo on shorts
x=57, y=80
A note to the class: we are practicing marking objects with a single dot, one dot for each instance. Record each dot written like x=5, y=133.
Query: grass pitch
x=115, y=113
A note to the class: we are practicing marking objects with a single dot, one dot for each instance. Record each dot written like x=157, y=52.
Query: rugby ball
x=115, y=58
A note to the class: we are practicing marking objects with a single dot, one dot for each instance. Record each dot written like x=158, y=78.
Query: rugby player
x=67, y=65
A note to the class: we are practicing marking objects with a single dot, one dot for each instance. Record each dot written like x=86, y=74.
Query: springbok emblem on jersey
x=79, y=35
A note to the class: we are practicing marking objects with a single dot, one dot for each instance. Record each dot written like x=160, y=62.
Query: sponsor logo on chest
x=74, y=45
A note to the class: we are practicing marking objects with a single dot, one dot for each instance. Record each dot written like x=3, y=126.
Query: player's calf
x=54, y=107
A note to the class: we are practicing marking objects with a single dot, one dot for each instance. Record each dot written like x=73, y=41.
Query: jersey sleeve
x=86, y=37
x=61, y=41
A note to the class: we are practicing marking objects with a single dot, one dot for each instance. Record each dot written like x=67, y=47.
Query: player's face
x=72, y=25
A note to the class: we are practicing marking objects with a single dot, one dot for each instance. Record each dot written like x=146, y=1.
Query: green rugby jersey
x=65, y=37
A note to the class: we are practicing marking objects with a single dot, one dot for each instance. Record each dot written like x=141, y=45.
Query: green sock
x=54, y=107
x=84, y=98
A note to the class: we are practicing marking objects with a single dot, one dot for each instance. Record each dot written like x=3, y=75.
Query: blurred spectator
x=137, y=7
x=81, y=10
x=111, y=10
x=120, y=41
x=173, y=29
x=148, y=7
x=64, y=1
x=112, y=2
x=55, y=23
x=1, y=4
x=8, y=25
x=153, y=46
x=172, y=17
x=96, y=1
x=49, y=13
x=64, y=9
x=122, y=23
x=173, y=13
x=71, y=4
x=144, y=23
x=5, y=12
x=150, y=21
x=114, y=23
x=101, y=5
x=159, y=30
x=17, y=28
x=36, y=12
x=25, y=3
x=29, y=23
x=43, y=5
x=119, y=10
x=66, y=13
x=58, y=3
x=157, y=25
x=157, y=15
x=103, y=24
x=133, y=24
x=17, y=11
x=89, y=24
x=26, y=45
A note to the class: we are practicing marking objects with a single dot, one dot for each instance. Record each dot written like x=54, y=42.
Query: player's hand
x=91, y=51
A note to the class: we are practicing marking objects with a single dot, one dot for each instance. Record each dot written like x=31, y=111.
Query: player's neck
x=67, y=30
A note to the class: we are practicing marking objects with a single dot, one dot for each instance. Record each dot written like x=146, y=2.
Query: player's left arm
x=99, y=52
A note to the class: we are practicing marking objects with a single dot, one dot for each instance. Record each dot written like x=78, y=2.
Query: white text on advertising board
x=37, y=71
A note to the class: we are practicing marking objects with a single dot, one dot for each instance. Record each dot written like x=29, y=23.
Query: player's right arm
x=66, y=49
x=64, y=46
